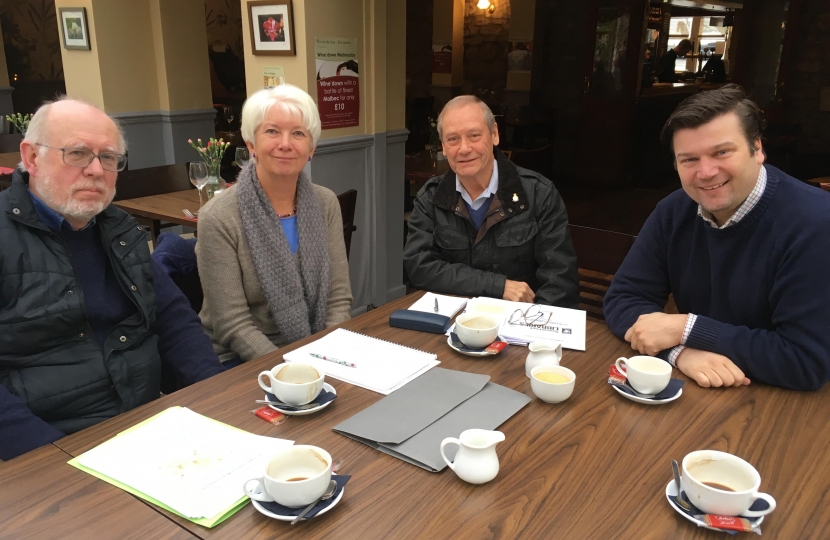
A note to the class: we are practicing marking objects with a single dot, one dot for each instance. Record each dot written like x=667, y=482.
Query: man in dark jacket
x=86, y=319
x=487, y=227
x=665, y=68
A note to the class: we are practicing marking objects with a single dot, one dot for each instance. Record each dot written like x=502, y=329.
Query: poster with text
x=272, y=76
x=338, y=83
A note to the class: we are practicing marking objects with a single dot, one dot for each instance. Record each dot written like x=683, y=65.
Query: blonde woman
x=271, y=254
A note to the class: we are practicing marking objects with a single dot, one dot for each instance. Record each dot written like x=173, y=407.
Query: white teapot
x=476, y=461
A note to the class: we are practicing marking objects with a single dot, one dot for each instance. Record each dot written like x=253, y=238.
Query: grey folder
x=411, y=422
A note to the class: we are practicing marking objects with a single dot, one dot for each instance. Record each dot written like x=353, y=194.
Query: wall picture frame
x=272, y=27
x=74, y=28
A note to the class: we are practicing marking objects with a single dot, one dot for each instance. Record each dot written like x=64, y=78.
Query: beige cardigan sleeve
x=226, y=312
x=340, y=290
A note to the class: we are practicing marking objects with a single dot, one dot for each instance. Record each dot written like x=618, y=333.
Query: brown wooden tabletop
x=165, y=206
x=10, y=159
x=43, y=497
x=595, y=466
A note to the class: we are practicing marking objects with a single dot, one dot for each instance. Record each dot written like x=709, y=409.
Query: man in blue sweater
x=743, y=247
x=86, y=319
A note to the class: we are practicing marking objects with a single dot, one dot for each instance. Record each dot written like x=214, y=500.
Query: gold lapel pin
x=515, y=198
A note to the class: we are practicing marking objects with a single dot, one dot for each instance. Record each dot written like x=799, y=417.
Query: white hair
x=38, y=129
x=290, y=99
x=460, y=101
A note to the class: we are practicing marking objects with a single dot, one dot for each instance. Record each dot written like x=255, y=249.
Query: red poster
x=442, y=62
x=338, y=100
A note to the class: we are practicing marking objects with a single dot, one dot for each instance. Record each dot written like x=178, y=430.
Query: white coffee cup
x=646, y=374
x=297, y=476
x=730, y=472
x=293, y=383
x=476, y=330
x=552, y=392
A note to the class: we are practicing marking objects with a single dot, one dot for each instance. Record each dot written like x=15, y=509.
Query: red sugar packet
x=270, y=415
x=730, y=523
x=496, y=347
x=614, y=375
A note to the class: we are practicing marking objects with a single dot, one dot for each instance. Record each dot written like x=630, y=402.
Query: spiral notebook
x=371, y=363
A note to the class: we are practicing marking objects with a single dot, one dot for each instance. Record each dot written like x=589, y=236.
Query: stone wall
x=486, y=44
x=809, y=92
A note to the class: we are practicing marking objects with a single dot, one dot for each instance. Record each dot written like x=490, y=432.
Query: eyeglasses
x=532, y=316
x=82, y=157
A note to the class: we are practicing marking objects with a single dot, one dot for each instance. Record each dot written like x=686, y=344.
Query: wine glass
x=228, y=113
x=198, y=177
x=242, y=156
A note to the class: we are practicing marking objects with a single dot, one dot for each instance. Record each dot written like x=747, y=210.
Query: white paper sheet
x=380, y=366
x=564, y=325
x=448, y=306
x=187, y=461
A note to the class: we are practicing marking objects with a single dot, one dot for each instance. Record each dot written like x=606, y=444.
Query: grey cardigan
x=235, y=313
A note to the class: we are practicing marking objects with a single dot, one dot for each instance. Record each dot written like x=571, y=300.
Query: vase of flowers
x=20, y=121
x=211, y=153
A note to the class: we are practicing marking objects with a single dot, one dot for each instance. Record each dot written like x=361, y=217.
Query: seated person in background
x=742, y=247
x=665, y=68
x=487, y=227
x=86, y=319
x=271, y=254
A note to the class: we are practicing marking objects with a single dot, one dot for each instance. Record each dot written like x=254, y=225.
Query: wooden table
x=595, y=466
x=10, y=159
x=43, y=497
x=165, y=207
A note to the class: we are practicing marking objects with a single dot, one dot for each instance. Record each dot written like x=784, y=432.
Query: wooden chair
x=599, y=255
x=348, y=202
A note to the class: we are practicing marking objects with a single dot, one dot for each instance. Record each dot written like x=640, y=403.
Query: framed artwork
x=74, y=28
x=272, y=27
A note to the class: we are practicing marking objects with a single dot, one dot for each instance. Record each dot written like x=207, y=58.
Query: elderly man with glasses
x=86, y=319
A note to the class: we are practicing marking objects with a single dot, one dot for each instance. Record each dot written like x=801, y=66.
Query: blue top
x=289, y=227
x=479, y=214
x=758, y=287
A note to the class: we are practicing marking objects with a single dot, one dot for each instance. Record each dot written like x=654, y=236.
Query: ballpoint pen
x=332, y=360
x=436, y=306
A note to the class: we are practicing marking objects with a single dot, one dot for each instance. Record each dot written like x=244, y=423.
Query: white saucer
x=671, y=490
x=287, y=412
x=469, y=353
x=646, y=401
x=261, y=509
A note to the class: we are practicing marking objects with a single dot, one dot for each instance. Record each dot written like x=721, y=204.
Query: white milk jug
x=476, y=461
x=543, y=353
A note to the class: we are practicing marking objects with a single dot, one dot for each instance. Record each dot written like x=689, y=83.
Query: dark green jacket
x=524, y=238
x=49, y=357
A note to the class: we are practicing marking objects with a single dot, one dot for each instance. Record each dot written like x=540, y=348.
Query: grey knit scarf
x=297, y=299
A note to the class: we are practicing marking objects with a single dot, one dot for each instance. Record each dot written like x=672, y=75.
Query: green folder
x=205, y=522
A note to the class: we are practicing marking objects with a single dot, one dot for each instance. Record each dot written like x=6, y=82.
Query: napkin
x=324, y=397
x=670, y=390
x=280, y=510
x=456, y=342
x=698, y=514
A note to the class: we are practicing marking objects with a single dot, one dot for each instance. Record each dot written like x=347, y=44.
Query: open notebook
x=374, y=364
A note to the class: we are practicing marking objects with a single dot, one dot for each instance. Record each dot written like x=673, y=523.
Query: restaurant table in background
x=594, y=466
x=9, y=160
x=165, y=207
x=418, y=169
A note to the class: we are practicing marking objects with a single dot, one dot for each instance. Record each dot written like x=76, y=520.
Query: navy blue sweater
x=183, y=343
x=759, y=287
